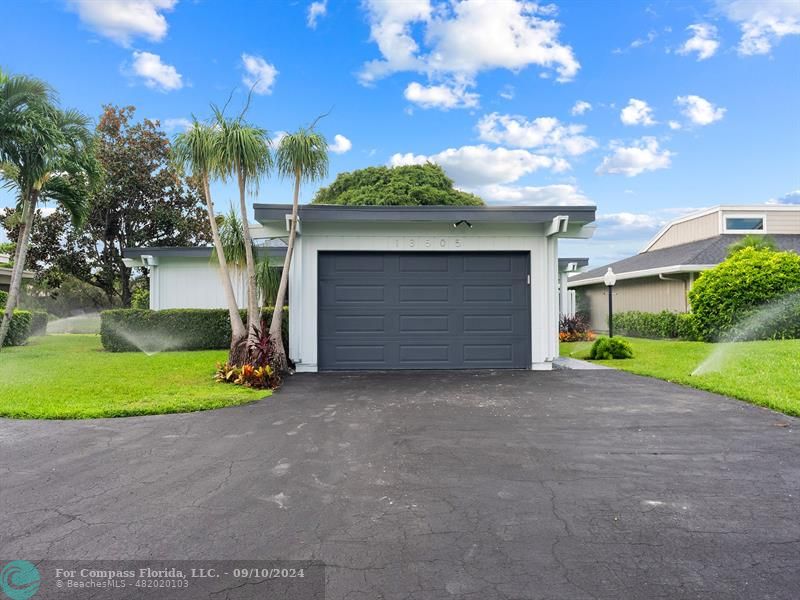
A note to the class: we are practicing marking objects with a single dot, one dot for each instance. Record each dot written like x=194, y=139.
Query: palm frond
x=303, y=153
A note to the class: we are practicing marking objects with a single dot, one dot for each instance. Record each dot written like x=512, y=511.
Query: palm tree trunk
x=238, y=350
x=253, y=316
x=21, y=255
x=276, y=327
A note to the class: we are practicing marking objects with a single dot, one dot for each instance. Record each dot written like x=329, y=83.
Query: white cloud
x=703, y=41
x=340, y=144
x=259, y=74
x=474, y=166
x=507, y=93
x=155, y=73
x=457, y=40
x=276, y=138
x=674, y=125
x=638, y=112
x=440, y=96
x=637, y=43
x=315, y=11
x=627, y=220
x=763, y=22
x=546, y=133
x=643, y=155
x=699, y=110
x=174, y=124
x=124, y=20
x=580, y=107
x=788, y=198
x=561, y=194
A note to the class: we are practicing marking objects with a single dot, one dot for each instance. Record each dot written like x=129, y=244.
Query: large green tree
x=413, y=185
x=46, y=154
x=142, y=200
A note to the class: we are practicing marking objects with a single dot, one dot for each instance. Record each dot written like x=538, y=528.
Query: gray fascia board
x=271, y=213
x=192, y=252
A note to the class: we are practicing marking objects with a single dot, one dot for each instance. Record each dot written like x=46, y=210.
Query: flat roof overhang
x=310, y=213
x=193, y=252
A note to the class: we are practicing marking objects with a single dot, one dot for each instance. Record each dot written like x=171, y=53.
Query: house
x=402, y=287
x=5, y=273
x=661, y=275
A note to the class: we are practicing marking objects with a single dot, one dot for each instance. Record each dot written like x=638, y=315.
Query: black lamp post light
x=610, y=278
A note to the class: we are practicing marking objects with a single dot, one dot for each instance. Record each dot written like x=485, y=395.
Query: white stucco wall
x=181, y=282
x=317, y=237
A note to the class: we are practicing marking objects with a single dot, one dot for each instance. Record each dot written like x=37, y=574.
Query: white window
x=745, y=224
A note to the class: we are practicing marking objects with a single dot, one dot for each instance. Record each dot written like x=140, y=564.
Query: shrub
x=610, y=348
x=726, y=297
x=574, y=329
x=664, y=324
x=171, y=329
x=39, y=320
x=140, y=299
x=20, y=328
x=3, y=298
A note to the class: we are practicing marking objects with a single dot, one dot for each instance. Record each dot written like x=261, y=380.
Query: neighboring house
x=375, y=287
x=661, y=275
x=5, y=273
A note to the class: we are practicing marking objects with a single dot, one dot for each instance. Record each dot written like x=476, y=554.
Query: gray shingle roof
x=710, y=251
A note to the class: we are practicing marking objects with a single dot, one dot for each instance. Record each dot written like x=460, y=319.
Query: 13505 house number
x=428, y=243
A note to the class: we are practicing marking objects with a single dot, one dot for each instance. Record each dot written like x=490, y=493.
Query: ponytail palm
x=302, y=156
x=198, y=150
x=244, y=153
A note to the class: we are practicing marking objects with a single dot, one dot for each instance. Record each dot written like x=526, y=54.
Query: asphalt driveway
x=568, y=485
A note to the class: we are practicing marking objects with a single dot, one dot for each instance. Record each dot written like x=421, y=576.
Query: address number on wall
x=428, y=243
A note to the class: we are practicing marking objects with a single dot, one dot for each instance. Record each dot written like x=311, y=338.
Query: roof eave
x=643, y=273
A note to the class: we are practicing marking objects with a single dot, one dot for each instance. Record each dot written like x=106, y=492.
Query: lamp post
x=610, y=279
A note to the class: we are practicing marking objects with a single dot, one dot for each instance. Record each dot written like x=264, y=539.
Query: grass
x=766, y=373
x=71, y=377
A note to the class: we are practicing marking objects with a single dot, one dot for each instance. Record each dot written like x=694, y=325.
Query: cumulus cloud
x=474, y=166
x=637, y=112
x=703, y=42
x=698, y=110
x=175, y=124
x=561, y=194
x=455, y=41
x=674, y=125
x=259, y=74
x=440, y=96
x=788, y=198
x=763, y=23
x=315, y=11
x=546, y=133
x=155, y=73
x=644, y=155
x=340, y=144
x=580, y=107
x=124, y=20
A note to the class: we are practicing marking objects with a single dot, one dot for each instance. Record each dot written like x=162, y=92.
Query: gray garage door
x=424, y=310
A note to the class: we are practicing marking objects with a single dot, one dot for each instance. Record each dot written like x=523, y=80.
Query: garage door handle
x=529, y=278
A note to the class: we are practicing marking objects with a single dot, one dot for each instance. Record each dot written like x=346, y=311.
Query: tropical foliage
x=413, y=185
x=46, y=154
x=574, y=328
x=605, y=348
x=303, y=157
x=725, y=299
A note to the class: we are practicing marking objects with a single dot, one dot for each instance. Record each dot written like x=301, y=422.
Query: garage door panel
x=424, y=310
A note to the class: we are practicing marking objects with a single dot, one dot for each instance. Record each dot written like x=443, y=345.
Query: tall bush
x=172, y=329
x=726, y=297
x=19, y=329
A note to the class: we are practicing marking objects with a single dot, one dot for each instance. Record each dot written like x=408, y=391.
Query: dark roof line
x=191, y=252
x=489, y=214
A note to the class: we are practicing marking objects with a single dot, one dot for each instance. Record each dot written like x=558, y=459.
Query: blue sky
x=645, y=109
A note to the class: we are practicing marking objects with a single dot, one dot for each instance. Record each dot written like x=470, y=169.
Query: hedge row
x=664, y=324
x=20, y=329
x=133, y=329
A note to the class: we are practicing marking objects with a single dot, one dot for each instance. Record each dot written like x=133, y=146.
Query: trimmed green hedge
x=664, y=324
x=20, y=329
x=132, y=329
x=3, y=298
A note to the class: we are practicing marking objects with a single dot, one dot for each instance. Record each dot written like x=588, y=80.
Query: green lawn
x=71, y=377
x=765, y=373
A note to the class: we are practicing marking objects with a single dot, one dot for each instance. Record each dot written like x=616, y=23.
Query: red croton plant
x=259, y=371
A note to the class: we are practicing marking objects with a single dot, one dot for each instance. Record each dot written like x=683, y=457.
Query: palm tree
x=198, y=149
x=302, y=155
x=244, y=154
x=48, y=156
